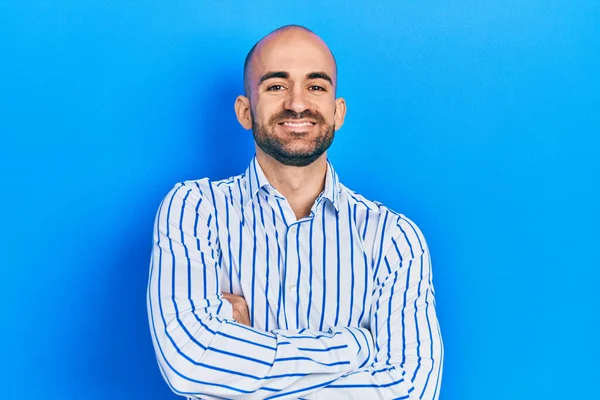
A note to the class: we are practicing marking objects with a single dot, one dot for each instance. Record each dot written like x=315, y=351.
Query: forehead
x=296, y=52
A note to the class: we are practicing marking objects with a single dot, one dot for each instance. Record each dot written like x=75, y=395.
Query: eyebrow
x=320, y=75
x=285, y=75
x=276, y=74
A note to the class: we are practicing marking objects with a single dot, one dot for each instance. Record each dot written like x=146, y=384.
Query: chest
x=313, y=273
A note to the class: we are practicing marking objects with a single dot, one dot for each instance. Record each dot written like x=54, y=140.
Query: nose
x=296, y=100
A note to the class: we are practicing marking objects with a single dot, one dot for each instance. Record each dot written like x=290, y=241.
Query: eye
x=317, y=88
x=275, y=88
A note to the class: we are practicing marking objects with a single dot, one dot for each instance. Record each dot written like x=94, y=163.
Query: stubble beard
x=270, y=143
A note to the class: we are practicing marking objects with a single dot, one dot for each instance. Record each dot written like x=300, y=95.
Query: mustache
x=289, y=114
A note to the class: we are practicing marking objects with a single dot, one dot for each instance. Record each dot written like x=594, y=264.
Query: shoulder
x=357, y=201
x=206, y=195
x=408, y=237
x=403, y=233
x=376, y=208
x=394, y=229
x=197, y=189
x=206, y=188
x=184, y=197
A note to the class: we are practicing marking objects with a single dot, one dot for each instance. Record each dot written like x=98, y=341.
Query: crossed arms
x=204, y=353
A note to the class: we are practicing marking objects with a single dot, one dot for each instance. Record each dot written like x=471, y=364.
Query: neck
x=299, y=185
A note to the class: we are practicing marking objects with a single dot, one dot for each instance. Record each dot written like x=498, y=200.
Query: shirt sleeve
x=408, y=343
x=201, y=351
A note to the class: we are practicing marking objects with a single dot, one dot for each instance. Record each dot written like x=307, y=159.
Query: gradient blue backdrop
x=480, y=120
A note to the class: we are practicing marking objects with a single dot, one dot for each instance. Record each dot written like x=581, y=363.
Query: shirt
x=341, y=302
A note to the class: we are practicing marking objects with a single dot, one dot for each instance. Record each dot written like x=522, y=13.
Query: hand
x=240, y=308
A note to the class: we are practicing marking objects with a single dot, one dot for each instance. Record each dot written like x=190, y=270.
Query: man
x=282, y=283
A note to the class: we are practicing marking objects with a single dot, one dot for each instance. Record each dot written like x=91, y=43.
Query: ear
x=242, y=111
x=340, y=112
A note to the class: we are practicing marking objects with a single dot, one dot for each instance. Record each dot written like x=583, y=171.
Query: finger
x=231, y=296
x=244, y=320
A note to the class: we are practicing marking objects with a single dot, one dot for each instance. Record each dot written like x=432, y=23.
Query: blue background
x=480, y=120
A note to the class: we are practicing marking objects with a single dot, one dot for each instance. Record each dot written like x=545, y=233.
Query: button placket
x=292, y=273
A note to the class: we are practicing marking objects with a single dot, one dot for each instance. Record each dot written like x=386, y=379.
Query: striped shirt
x=341, y=302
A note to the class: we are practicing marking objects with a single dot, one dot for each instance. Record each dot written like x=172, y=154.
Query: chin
x=299, y=150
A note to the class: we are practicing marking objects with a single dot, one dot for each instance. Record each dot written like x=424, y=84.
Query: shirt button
x=292, y=288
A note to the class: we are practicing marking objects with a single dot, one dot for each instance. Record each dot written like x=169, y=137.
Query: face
x=292, y=108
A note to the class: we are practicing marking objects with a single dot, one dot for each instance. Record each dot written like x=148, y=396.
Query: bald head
x=290, y=102
x=285, y=40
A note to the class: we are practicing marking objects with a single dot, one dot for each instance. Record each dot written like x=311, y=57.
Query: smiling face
x=291, y=107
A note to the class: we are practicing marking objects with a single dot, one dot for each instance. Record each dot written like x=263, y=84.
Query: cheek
x=328, y=112
x=264, y=111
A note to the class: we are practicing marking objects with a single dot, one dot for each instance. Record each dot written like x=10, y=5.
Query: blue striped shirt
x=341, y=302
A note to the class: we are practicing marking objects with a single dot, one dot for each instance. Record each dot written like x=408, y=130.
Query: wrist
x=360, y=346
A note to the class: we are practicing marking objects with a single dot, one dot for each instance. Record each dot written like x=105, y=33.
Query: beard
x=275, y=146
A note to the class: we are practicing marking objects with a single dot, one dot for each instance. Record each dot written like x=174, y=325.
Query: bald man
x=282, y=283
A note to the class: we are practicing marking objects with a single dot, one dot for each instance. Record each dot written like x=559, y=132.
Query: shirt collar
x=332, y=187
x=255, y=179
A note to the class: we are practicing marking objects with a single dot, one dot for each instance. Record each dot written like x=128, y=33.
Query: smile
x=297, y=124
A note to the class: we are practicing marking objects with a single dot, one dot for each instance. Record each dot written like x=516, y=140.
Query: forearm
x=206, y=355
x=385, y=382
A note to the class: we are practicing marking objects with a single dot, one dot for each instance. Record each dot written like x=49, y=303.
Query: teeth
x=297, y=124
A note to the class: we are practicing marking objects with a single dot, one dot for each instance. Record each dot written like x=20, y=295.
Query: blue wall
x=480, y=120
